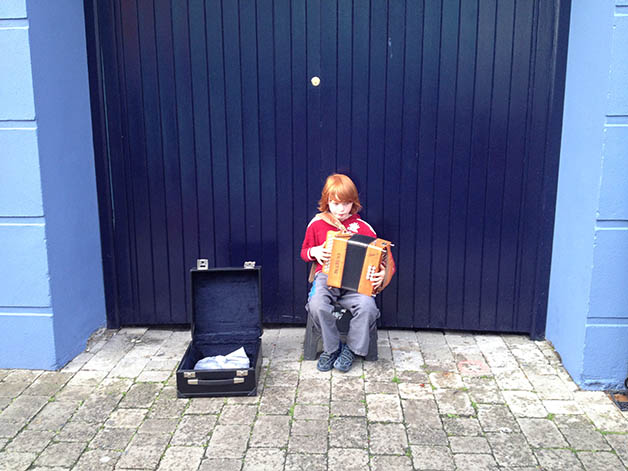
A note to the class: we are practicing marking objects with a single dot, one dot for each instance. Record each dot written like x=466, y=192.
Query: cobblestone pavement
x=432, y=401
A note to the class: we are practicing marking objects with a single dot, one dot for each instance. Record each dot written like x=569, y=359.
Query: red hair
x=339, y=187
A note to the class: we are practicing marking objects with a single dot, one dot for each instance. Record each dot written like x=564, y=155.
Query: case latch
x=202, y=264
x=242, y=373
x=249, y=264
x=189, y=374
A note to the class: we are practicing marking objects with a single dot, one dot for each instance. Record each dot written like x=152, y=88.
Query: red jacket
x=316, y=234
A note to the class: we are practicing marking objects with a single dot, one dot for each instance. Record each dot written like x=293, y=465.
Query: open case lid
x=226, y=305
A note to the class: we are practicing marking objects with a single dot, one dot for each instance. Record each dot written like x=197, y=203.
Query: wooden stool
x=313, y=336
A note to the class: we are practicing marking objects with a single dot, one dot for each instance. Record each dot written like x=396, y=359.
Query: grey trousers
x=363, y=310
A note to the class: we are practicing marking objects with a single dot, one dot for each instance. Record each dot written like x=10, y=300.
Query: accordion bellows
x=355, y=259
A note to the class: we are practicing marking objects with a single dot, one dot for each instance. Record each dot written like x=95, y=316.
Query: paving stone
x=77, y=431
x=384, y=408
x=524, y=404
x=387, y=463
x=379, y=371
x=511, y=449
x=308, y=444
x=347, y=459
x=126, y=418
x=311, y=412
x=142, y=457
x=149, y=440
x=432, y=457
x=12, y=389
x=407, y=358
x=462, y=426
x=557, y=460
x=238, y=414
x=264, y=459
x=112, y=439
x=96, y=408
x=97, y=460
x=553, y=406
x=346, y=388
x=23, y=376
x=153, y=376
x=599, y=460
x=228, y=441
x=141, y=395
x=620, y=445
x=348, y=408
x=205, y=405
x=550, y=387
x=311, y=427
x=446, y=380
x=415, y=390
x=605, y=417
x=348, y=432
x=23, y=408
x=426, y=435
x=47, y=384
x=379, y=387
x=278, y=400
x=386, y=438
x=484, y=390
x=305, y=462
x=475, y=462
x=223, y=464
x=165, y=425
x=270, y=431
x=473, y=366
x=542, y=433
x=61, y=454
x=31, y=441
x=469, y=445
x=453, y=401
x=418, y=377
x=16, y=461
x=194, y=430
x=580, y=433
x=181, y=458
x=278, y=377
x=509, y=378
x=313, y=391
x=9, y=429
x=496, y=418
x=74, y=392
x=54, y=415
x=167, y=409
x=3, y=442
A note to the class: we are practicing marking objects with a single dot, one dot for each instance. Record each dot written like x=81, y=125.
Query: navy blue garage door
x=213, y=142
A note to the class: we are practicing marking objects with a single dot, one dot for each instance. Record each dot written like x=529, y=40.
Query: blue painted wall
x=51, y=289
x=588, y=302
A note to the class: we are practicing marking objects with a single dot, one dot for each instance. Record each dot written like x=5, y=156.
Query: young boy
x=339, y=206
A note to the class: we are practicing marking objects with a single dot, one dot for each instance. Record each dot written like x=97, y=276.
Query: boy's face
x=342, y=210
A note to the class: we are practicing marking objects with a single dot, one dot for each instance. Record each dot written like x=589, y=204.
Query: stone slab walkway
x=432, y=401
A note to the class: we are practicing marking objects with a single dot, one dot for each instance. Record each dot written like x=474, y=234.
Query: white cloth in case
x=234, y=360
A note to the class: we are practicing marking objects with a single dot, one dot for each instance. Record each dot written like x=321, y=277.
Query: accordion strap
x=332, y=221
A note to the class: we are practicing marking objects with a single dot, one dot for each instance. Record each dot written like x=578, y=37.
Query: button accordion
x=355, y=259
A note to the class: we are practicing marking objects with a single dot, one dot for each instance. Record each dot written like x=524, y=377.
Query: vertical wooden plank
x=427, y=157
x=300, y=125
x=233, y=116
x=203, y=184
x=533, y=200
x=344, y=88
x=218, y=124
x=496, y=166
x=406, y=249
x=374, y=158
x=443, y=163
x=459, y=215
x=329, y=85
x=250, y=130
x=283, y=136
x=360, y=98
x=515, y=164
x=315, y=171
x=393, y=195
x=479, y=161
x=171, y=163
x=268, y=163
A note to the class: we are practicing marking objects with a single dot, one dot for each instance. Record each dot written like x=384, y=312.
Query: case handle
x=215, y=382
x=249, y=264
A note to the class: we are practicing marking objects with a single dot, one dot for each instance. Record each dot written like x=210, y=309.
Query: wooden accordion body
x=355, y=258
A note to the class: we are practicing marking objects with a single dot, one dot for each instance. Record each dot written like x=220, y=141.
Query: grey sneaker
x=326, y=360
x=345, y=360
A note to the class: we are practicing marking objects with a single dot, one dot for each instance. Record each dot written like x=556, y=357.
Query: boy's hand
x=378, y=278
x=321, y=254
